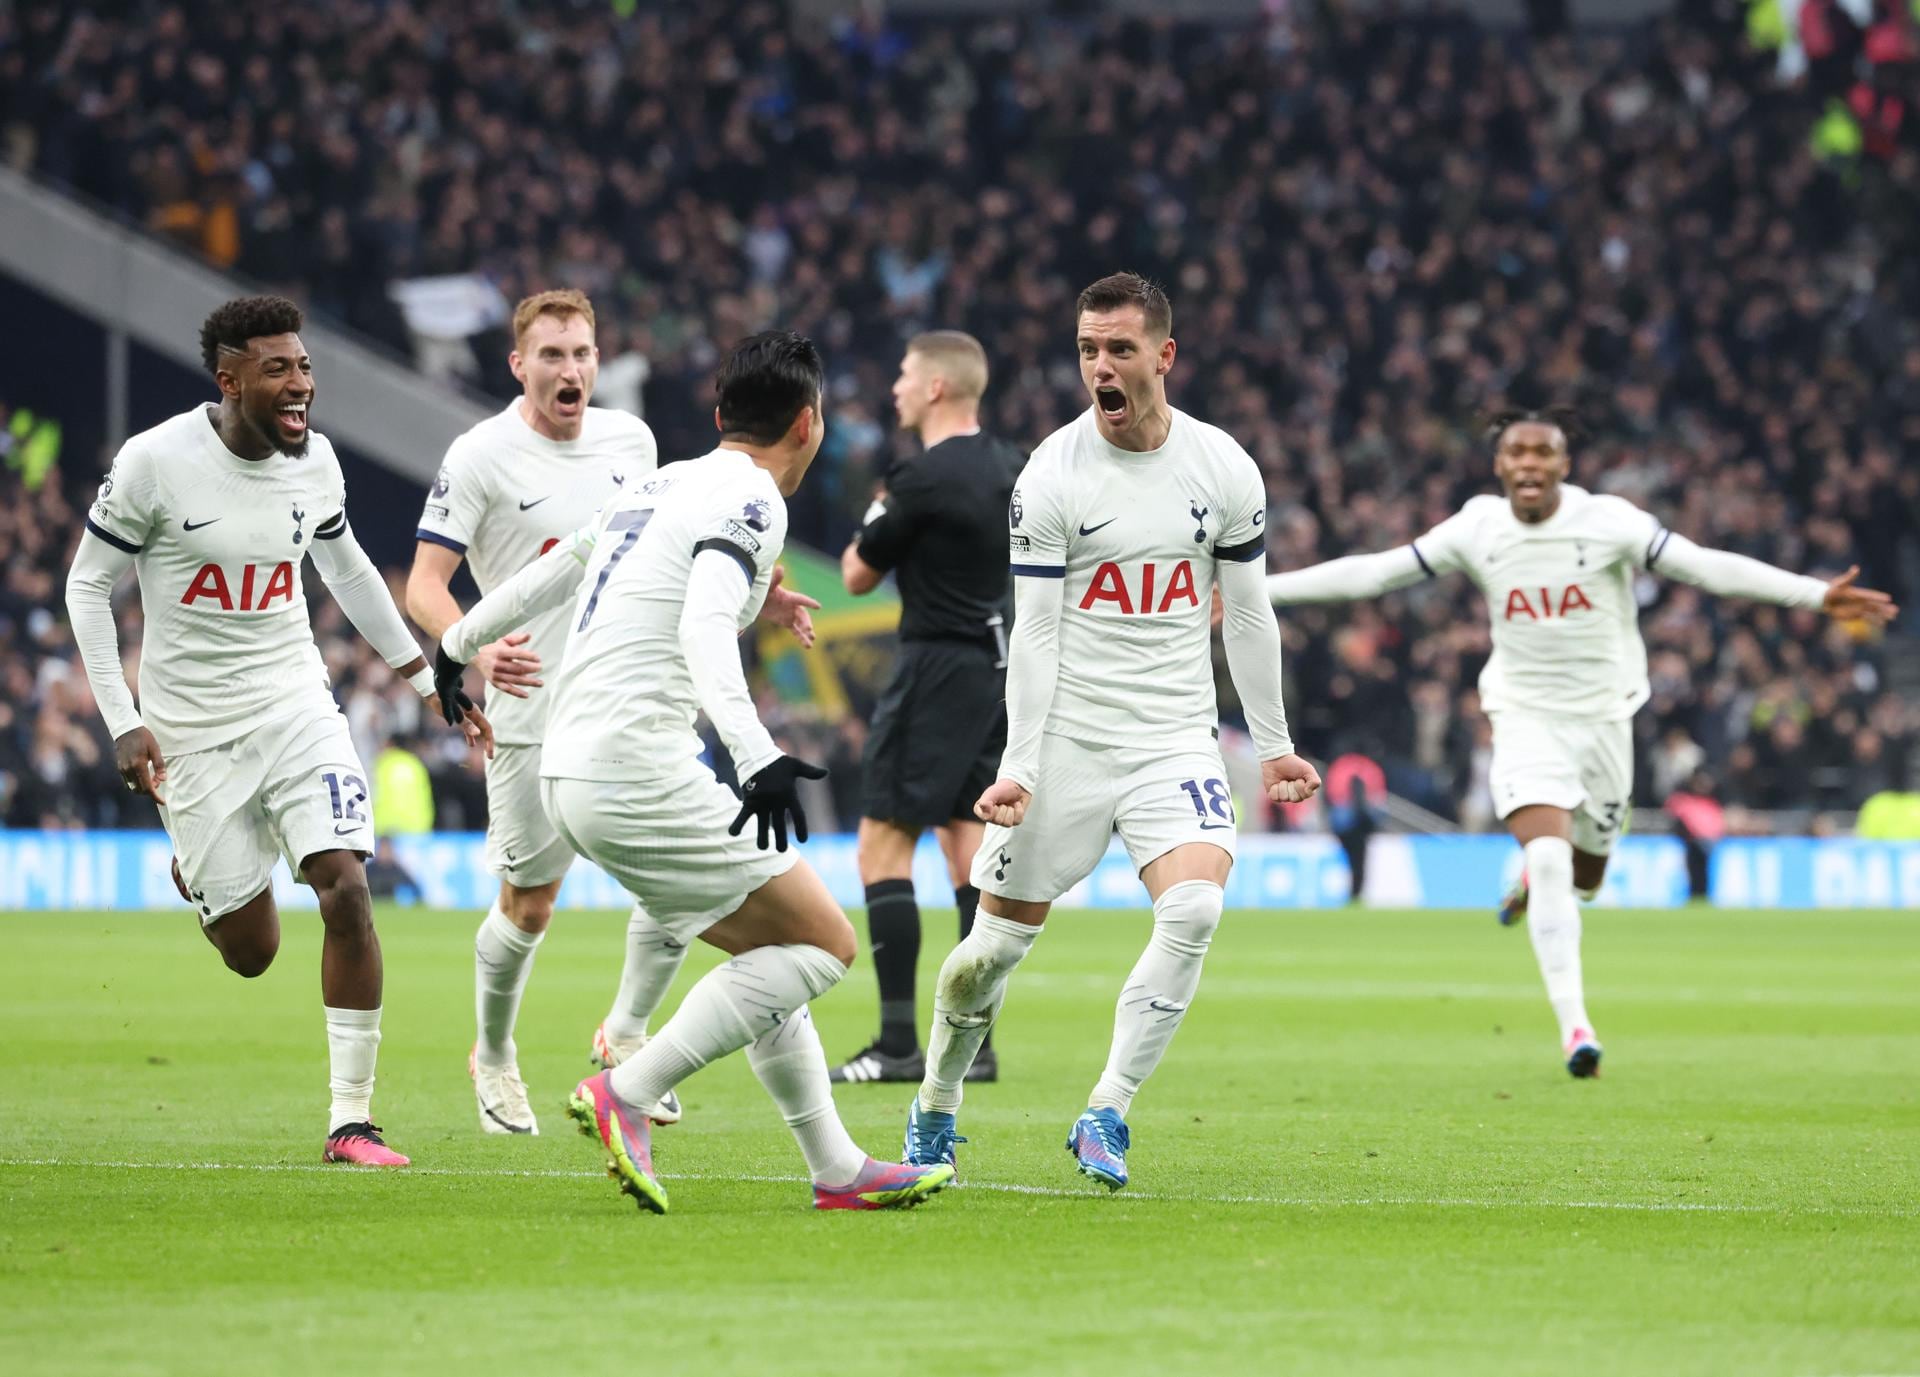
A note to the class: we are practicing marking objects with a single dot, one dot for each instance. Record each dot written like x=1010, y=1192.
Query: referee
x=938, y=730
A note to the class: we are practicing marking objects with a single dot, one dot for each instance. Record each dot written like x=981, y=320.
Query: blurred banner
x=129, y=870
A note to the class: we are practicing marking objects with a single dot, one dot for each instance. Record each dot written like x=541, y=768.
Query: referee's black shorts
x=937, y=732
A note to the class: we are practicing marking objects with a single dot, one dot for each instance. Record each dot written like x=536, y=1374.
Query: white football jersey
x=1566, y=632
x=218, y=542
x=505, y=495
x=624, y=704
x=1135, y=537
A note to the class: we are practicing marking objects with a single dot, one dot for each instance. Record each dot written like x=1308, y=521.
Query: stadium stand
x=1371, y=229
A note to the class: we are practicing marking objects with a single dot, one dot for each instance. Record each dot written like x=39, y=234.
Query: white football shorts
x=665, y=840
x=524, y=848
x=1584, y=767
x=1157, y=797
x=293, y=787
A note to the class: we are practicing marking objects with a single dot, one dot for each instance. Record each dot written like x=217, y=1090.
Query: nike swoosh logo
x=196, y=525
x=536, y=502
x=346, y=829
x=1089, y=530
x=1216, y=827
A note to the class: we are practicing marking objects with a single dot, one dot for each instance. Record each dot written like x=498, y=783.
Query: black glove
x=770, y=795
x=447, y=672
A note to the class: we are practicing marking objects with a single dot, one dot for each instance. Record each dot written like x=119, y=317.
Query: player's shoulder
x=1061, y=452
x=1479, y=518
x=176, y=436
x=1208, y=439
x=485, y=438
x=1605, y=508
x=610, y=425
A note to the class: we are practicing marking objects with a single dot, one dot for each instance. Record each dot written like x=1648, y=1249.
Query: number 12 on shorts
x=1216, y=795
x=349, y=793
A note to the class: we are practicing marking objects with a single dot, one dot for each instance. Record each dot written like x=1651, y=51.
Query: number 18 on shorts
x=1155, y=797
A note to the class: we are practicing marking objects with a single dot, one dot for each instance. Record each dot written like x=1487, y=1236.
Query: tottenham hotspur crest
x=1199, y=521
x=298, y=517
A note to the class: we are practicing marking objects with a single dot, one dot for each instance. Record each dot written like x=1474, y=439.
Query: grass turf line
x=1361, y=1156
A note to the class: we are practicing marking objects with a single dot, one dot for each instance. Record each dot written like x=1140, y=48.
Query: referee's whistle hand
x=1004, y=804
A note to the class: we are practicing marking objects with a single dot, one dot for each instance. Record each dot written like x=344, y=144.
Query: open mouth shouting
x=291, y=417
x=569, y=401
x=1113, y=405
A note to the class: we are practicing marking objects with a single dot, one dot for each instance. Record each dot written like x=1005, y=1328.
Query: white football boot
x=502, y=1096
x=608, y=1053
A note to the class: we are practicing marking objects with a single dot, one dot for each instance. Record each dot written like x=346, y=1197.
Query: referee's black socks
x=893, y=933
x=969, y=900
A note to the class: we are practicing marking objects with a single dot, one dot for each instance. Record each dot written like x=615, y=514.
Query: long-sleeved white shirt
x=1566, y=634
x=1115, y=557
x=660, y=584
x=217, y=542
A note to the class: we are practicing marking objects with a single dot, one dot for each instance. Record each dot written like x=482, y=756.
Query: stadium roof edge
x=127, y=281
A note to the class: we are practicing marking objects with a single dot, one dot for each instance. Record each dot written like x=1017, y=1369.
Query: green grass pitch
x=1361, y=1156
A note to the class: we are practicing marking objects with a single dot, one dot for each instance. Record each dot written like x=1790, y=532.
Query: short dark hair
x=1565, y=418
x=1115, y=290
x=766, y=381
x=244, y=318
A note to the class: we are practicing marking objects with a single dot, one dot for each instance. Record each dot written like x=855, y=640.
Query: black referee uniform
x=937, y=732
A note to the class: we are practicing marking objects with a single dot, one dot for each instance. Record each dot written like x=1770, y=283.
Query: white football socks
x=502, y=961
x=1156, y=995
x=966, y=1000
x=353, y=1043
x=792, y=1065
x=1553, y=921
x=654, y=957
x=726, y=1009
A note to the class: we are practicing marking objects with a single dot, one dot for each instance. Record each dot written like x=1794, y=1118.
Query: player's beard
x=271, y=433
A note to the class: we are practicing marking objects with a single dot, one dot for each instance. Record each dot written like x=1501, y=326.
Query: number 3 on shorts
x=349, y=792
x=1216, y=794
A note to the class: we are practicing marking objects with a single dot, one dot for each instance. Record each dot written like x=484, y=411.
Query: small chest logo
x=1200, y=521
x=619, y=479
x=298, y=517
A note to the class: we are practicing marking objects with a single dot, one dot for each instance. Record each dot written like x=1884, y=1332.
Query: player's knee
x=1187, y=915
x=841, y=944
x=530, y=910
x=1549, y=863
x=248, y=962
x=346, y=904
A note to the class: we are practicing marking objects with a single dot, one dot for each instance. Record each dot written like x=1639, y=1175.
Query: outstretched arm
x=543, y=584
x=1252, y=640
x=1349, y=579
x=1729, y=575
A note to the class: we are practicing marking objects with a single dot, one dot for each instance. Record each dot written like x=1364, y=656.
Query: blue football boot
x=1099, y=1139
x=931, y=1139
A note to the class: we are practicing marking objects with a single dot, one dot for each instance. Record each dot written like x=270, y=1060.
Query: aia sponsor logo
x=1154, y=590
x=258, y=587
x=1545, y=607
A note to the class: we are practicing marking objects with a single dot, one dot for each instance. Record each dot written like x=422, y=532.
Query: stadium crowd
x=1371, y=228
